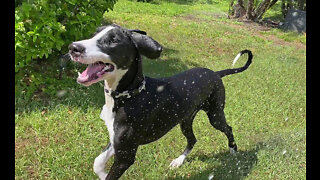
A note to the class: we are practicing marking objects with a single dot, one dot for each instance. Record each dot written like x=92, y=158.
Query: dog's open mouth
x=94, y=71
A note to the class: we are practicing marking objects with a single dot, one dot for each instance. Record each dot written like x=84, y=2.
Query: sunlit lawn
x=59, y=137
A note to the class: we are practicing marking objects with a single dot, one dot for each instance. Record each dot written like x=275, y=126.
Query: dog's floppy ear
x=146, y=45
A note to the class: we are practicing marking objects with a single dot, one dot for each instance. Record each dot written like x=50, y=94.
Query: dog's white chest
x=108, y=116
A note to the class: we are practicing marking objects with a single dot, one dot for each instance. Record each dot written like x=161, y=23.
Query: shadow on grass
x=227, y=166
x=70, y=93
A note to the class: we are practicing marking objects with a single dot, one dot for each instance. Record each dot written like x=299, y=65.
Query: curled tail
x=237, y=70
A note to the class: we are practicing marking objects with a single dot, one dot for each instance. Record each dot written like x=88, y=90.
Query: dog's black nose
x=76, y=48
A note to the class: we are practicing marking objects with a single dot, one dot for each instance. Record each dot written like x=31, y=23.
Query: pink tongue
x=91, y=69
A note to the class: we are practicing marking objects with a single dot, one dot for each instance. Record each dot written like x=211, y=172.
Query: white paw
x=232, y=151
x=98, y=168
x=103, y=176
x=177, y=162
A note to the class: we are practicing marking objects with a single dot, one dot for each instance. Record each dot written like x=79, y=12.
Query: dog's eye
x=112, y=40
x=108, y=40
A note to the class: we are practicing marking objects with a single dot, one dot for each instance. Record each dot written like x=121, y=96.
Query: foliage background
x=43, y=27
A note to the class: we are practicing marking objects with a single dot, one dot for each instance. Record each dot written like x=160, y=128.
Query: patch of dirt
x=31, y=140
x=20, y=145
x=196, y=16
x=192, y=17
x=253, y=27
x=256, y=28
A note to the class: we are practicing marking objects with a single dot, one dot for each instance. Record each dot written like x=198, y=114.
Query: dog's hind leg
x=214, y=107
x=101, y=160
x=218, y=121
x=186, y=128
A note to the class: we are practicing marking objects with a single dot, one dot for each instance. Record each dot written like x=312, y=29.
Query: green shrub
x=43, y=27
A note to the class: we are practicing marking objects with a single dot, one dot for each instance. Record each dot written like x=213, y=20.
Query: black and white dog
x=140, y=109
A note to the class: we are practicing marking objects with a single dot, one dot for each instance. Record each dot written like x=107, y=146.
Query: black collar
x=127, y=94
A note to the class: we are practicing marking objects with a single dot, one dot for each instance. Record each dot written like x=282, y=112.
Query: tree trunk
x=255, y=13
x=240, y=2
x=262, y=8
x=273, y=2
x=250, y=13
x=239, y=10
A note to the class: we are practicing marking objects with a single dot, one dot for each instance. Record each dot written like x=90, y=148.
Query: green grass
x=58, y=137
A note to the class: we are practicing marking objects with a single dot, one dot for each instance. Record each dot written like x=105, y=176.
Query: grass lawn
x=58, y=137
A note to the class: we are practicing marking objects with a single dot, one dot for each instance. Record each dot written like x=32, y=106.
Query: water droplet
x=284, y=152
x=160, y=88
x=61, y=93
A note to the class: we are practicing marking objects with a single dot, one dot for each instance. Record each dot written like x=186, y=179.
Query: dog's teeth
x=79, y=73
x=106, y=68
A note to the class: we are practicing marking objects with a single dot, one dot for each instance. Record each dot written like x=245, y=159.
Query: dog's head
x=110, y=52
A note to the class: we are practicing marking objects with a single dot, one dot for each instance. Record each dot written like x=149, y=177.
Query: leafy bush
x=43, y=27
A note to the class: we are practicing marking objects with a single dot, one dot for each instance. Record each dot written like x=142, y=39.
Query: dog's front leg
x=101, y=160
x=123, y=159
